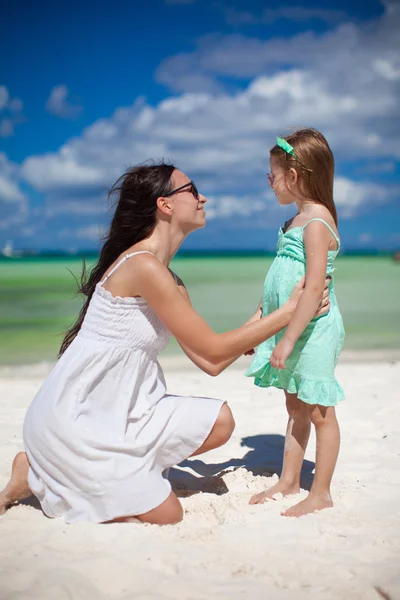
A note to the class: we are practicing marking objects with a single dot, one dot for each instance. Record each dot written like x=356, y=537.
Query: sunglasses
x=191, y=185
x=271, y=179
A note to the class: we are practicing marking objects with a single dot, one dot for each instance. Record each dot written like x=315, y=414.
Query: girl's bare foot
x=17, y=488
x=286, y=489
x=312, y=503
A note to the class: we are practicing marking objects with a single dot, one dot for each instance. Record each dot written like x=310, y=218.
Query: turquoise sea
x=38, y=299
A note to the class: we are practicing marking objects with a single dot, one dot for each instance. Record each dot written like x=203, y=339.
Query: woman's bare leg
x=328, y=442
x=297, y=435
x=220, y=433
x=169, y=512
x=17, y=488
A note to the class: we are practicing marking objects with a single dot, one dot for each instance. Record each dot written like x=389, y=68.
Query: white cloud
x=13, y=108
x=350, y=195
x=52, y=171
x=228, y=206
x=301, y=13
x=16, y=105
x=222, y=138
x=378, y=167
x=354, y=60
x=287, y=13
x=365, y=238
x=91, y=232
x=180, y=1
x=6, y=127
x=3, y=97
x=9, y=184
x=60, y=105
x=213, y=136
x=13, y=202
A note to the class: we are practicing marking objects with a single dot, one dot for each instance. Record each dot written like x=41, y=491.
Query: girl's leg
x=17, y=488
x=328, y=442
x=297, y=434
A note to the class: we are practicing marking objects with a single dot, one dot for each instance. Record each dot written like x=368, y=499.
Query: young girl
x=301, y=358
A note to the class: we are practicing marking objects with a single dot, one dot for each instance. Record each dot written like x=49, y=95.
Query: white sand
x=225, y=548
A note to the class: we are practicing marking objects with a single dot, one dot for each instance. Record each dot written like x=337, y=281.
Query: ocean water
x=38, y=300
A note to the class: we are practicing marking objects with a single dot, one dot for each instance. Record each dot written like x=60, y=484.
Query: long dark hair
x=134, y=220
x=314, y=164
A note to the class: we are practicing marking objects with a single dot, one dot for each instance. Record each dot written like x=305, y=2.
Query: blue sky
x=94, y=87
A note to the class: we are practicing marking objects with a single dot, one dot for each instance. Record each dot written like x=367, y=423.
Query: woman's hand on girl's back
x=298, y=289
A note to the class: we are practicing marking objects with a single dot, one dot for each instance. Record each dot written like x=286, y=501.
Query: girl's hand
x=281, y=352
x=298, y=290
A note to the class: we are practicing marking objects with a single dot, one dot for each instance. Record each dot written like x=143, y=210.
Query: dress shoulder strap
x=327, y=225
x=120, y=262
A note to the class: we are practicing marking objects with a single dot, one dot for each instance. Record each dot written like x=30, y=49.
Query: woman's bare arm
x=152, y=280
x=203, y=364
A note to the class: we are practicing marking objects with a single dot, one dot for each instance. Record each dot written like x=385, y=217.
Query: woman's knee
x=225, y=423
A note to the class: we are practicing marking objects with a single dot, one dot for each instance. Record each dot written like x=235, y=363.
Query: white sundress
x=101, y=430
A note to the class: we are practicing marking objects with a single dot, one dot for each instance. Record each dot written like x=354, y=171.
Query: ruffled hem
x=325, y=392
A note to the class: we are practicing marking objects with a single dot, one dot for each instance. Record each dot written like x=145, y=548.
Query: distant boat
x=8, y=249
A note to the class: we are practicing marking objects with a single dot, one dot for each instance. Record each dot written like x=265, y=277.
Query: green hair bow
x=285, y=146
x=289, y=150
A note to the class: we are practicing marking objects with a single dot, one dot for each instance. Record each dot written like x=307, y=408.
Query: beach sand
x=226, y=548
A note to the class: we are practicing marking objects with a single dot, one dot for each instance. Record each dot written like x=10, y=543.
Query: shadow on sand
x=264, y=457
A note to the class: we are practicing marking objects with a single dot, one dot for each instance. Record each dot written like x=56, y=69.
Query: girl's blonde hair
x=314, y=164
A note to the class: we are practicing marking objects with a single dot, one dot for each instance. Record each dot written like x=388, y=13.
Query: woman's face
x=186, y=203
x=278, y=181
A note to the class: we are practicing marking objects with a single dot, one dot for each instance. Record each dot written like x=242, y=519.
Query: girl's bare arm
x=316, y=240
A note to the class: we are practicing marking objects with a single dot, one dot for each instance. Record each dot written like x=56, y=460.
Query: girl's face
x=282, y=182
x=186, y=203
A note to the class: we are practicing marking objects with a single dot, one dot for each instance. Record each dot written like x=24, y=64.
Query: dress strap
x=119, y=263
x=328, y=226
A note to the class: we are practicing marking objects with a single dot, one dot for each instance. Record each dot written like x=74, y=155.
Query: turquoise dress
x=310, y=368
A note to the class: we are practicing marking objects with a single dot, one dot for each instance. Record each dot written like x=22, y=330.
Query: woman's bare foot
x=17, y=488
x=311, y=504
x=281, y=487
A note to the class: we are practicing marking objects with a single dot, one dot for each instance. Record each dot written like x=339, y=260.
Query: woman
x=101, y=430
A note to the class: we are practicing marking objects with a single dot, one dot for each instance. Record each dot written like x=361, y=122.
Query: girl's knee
x=322, y=415
x=295, y=407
